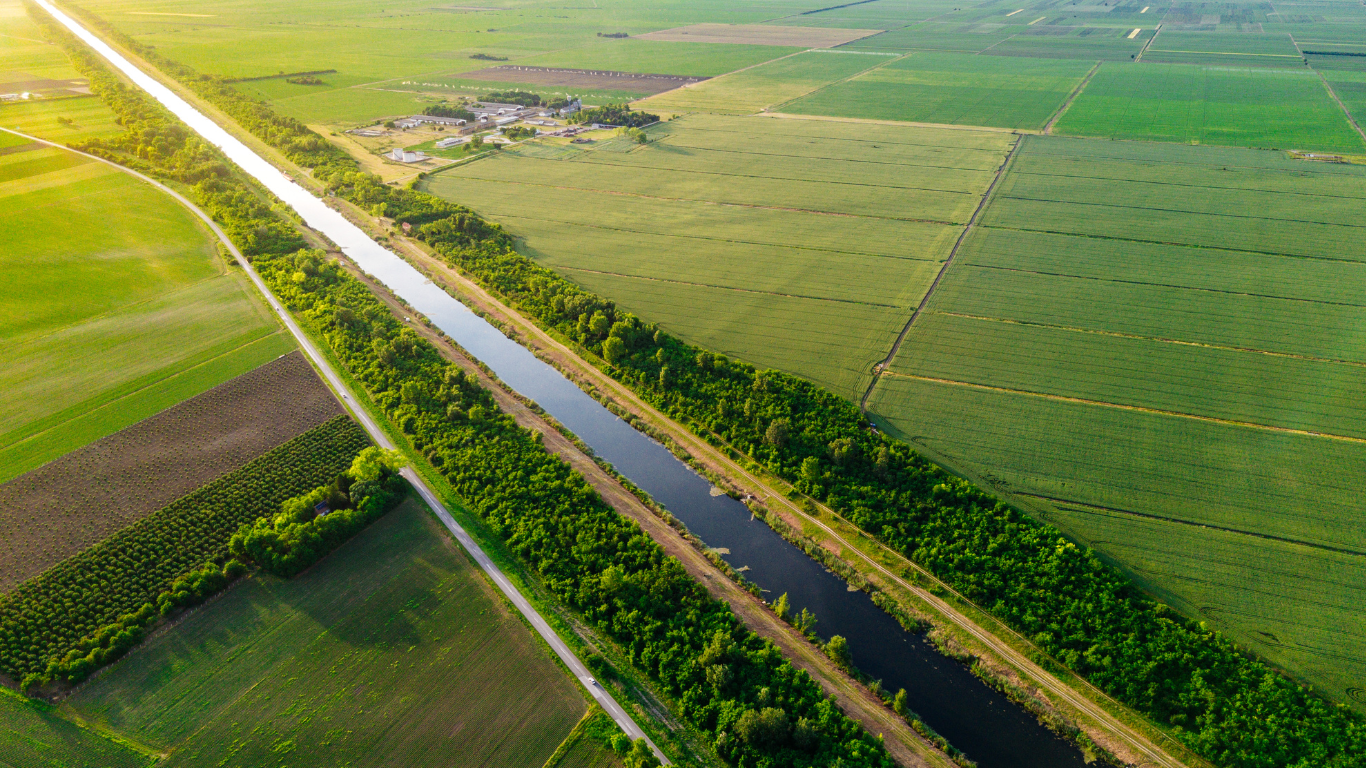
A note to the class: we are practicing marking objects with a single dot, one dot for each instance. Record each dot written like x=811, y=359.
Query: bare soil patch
x=759, y=34
x=82, y=498
x=582, y=78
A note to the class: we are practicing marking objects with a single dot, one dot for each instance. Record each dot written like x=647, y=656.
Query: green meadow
x=756, y=237
x=767, y=85
x=1249, y=106
x=1154, y=348
x=145, y=314
x=952, y=88
x=395, y=645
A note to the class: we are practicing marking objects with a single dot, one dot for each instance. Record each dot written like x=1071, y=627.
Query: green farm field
x=952, y=88
x=146, y=315
x=752, y=236
x=1250, y=107
x=32, y=735
x=29, y=64
x=416, y=659
x=1155, y=348
x=766, y=85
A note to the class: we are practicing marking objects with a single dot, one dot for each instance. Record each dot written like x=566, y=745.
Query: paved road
x=533, y=617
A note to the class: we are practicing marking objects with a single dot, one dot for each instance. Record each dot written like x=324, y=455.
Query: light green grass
x=937, y=36
x=1092, y=43
x=1249, y=107
x=33, y=736
x=394, y=645
x=659, y=58
x=952, y=88
x=1350, y=87
x=764, y=86
x=721, y=229
x=88, y=115
x=1138, y=332
x=115, y=301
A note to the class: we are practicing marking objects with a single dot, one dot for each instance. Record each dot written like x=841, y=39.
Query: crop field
x=759, y=34
x=1068, y=42
x=33, y=736
x=76, y=501
x=28, y=64
x=938, y=36
x=116, y=301
x=1154, y=348
x=1250, y=107
x=737, y=216
x=417, y=659
x=1242, y=50
x=952, y=88
x=766, y=85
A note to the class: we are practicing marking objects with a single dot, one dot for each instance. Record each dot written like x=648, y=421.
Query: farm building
x=406, y=156
x=451, y=142
x=414, y=121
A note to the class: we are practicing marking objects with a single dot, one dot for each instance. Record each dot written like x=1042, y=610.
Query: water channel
x=974, y=718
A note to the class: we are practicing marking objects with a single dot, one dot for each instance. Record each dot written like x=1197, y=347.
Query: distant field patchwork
x=757, y=237
x=952, y=88
x=1248, y=106
x=766, y=85
x=114, y=293
x=1159, y=349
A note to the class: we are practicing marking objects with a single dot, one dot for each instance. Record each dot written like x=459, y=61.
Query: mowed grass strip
x=1297, y=606
x=1249, y=107
x=1242, y=386
x=754, y=89
x=415, y=659
x=952, y=88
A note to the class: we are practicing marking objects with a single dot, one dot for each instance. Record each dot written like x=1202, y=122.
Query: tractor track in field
x=925, y=300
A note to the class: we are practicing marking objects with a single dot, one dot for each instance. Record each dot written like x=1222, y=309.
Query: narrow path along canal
x=976, y=719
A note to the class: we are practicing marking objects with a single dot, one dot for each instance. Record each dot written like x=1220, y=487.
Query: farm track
x=1048, y=127
x=925, y=300
x=524, y=607
x=843, y=540
x=1132, y=408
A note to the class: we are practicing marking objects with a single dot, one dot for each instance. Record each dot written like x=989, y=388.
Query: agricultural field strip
x=1126, y=407
x=1086, y=507
x=758, y=153
x=538, y=623
x=731, y=288
x=695, y=236
x=642, y=196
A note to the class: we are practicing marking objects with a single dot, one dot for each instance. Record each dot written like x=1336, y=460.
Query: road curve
x=604, y=699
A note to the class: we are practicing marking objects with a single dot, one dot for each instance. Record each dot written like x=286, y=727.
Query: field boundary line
x=1174, y=243
x=1140, y=337
x=842, y=80
x=1048, y=127
x=1079, y=505
x=1133, y=408
x=349, y=402
x=925, y=299
x=1220, y=291
x=732, y=288
x=1181, y=185
x=1345, y=111
x=1156, y=32
x=1095, y=204
x=899, y=123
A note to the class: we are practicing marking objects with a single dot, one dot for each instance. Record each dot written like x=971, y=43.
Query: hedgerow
x=66, y=607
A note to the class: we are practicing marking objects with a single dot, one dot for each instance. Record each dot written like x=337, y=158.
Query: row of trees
x=302, y=533
x=1224, y=704
x=614, y=114
x=83, y=604
x=728, y=682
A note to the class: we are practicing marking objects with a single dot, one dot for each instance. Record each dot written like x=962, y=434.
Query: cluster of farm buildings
x=487, y=115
